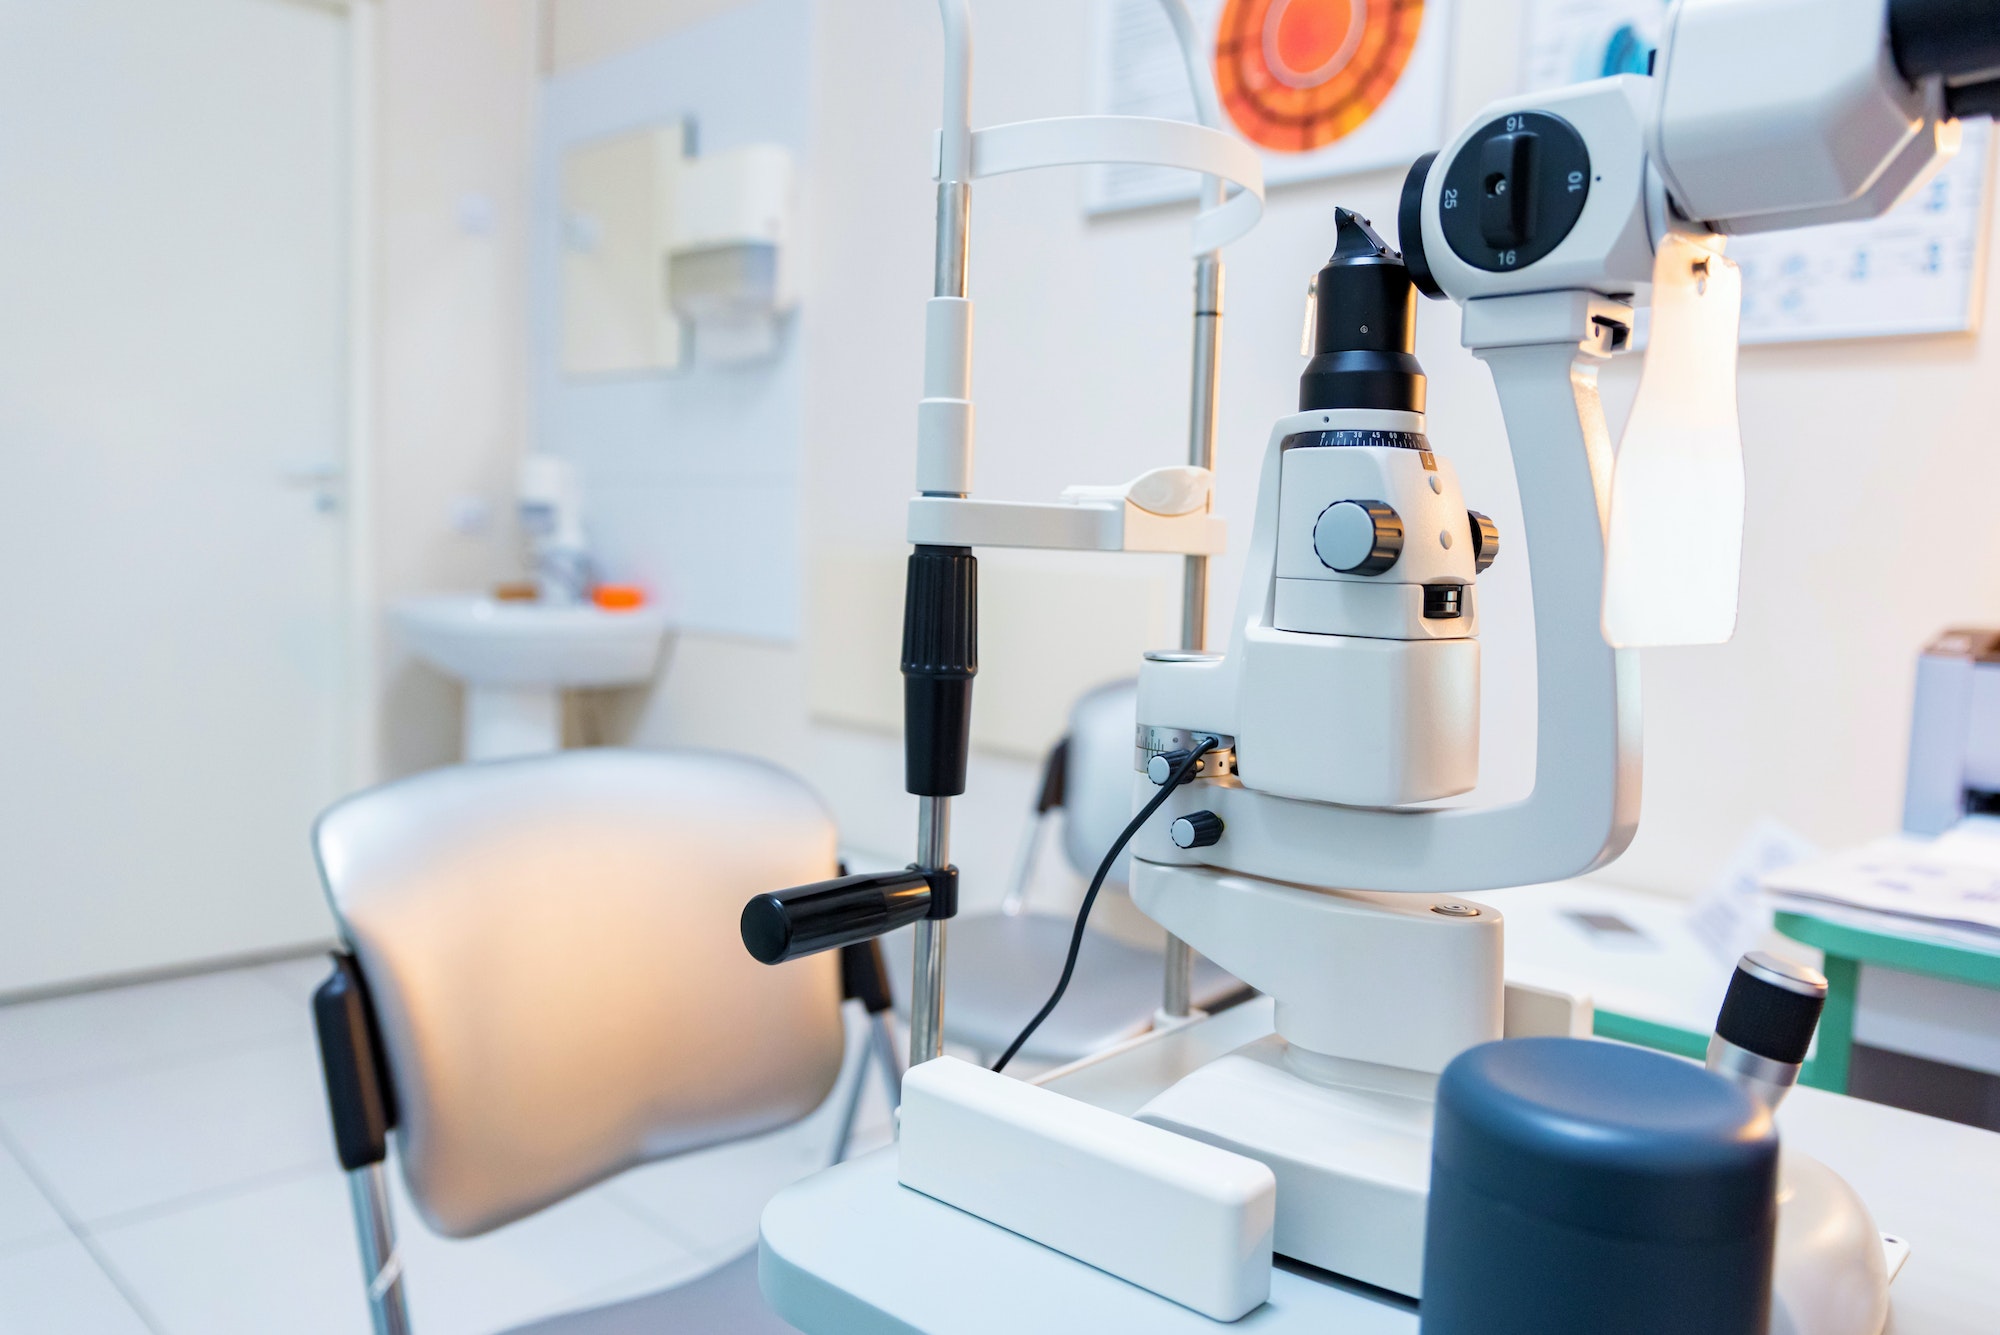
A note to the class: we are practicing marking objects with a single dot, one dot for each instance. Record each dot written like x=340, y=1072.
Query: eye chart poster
x=1321, y=87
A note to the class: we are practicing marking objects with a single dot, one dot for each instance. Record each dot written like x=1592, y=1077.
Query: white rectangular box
x=1185, y=1220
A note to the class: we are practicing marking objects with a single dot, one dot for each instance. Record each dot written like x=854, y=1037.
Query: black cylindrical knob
x=1365, y=327
x=1197, y=829
x=940, y=659
x=1772, y=1008
x=1485, y=540
x=807, y=919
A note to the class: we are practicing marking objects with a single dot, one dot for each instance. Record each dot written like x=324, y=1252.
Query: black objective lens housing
x=1959, y=39
x=1365, y=327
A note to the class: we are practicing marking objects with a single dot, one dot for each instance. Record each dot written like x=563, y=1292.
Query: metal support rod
x=1177, y=986
x=954, y=200
x=1202, y=405
x=927, y=971
x=878, y=1051
x=381, y=1266
x=850, y=1111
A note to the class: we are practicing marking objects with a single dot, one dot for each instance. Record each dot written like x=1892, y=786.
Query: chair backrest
x=1097, y=787
x=550, y=946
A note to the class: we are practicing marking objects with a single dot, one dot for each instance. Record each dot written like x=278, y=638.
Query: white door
x=173, y=196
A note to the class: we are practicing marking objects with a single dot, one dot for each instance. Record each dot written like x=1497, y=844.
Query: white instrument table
x=851, y=1251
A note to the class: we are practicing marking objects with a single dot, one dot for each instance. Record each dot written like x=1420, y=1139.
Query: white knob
x=1358, y=537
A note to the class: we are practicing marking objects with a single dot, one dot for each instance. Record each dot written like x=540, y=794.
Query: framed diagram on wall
x=1918, y=270
x=1321, y=87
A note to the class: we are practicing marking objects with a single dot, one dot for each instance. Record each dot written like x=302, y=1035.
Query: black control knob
x=1358, y=537
x=807, y=919
x=1197, y=829
x=1514, y=190
x=1485, y=540
x=1772, y=1008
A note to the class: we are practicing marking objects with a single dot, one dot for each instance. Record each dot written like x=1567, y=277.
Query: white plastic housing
x=1610, y=249
x=1788, y=113
x=1584, y=805
x=1358, y=711
x=1185, y=1220
x=1377, y=978
x=1357, y=720
x=1437, y=544
x=1352, y=1161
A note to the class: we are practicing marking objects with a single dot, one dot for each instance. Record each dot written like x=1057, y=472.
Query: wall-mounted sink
x=516, y=659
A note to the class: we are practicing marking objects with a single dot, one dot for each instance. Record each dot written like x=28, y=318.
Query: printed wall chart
x=1321, y=87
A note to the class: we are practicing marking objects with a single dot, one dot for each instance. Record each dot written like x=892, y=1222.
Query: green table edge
x=1938, y=959
x=1649, y=1034
x=1826, y=1070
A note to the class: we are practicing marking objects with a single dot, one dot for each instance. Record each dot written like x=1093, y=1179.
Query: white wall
x=690, y=479
x=1869, y=480
x=454, y=114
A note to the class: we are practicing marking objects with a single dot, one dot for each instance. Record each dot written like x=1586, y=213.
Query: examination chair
x=540, y=985
x=1003, y=964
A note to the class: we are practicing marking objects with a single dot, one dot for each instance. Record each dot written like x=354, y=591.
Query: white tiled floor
x=166, y=1169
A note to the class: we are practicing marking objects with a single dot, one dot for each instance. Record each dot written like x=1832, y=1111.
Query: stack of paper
x=1947, y=887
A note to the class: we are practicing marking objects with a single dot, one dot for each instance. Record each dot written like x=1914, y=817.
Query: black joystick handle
x=807, y=919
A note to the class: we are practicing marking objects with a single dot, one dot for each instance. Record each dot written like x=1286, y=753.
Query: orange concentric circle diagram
x=1296, y=75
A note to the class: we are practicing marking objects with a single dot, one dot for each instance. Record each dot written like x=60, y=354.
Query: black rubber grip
x=940, y=659
x=358, y=1094
x=1769, y=1020
x=1949, y=37
x=807, y=919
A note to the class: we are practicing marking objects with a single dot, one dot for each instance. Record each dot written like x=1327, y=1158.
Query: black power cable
x=1179, y=777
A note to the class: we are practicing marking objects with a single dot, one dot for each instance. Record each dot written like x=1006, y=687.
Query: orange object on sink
x=618, y=597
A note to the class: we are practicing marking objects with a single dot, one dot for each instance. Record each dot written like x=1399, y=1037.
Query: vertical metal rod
x=954, y=200
x=1202, y=407
x=1177, y=986
x=851, y=1109
x=878, y=1049
x=381, y=1266
x=927, y=973
x=1176, y=992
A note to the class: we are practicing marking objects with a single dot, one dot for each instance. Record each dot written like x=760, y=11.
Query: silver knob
x=1197, y=829
x=1358, y=537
